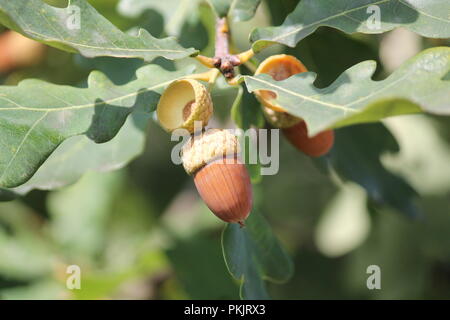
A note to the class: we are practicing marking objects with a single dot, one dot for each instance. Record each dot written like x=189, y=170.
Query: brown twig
x=223, y=60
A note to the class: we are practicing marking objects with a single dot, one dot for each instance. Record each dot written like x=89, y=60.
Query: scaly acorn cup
x=182, y=104
x=221, y=179
x=281, y=67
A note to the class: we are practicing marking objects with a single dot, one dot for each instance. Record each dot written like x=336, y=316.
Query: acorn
x=183, y=103
x=17, y=51
x=221, y=179
x=281, y=67
x=296, y=132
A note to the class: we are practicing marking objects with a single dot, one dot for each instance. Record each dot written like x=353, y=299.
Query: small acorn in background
x=182, y=104
x=315, y=146
x=221, y=179
x=17, y=51
x=281, y=67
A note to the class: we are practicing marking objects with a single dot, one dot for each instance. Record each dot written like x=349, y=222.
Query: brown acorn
x=281, y=67
x=315, y=146
x=221, y=178
x=17, y=51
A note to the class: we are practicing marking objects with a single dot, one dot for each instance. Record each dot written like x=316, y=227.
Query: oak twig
x=223, y=60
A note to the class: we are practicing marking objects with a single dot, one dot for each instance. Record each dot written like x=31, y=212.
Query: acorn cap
x=182, y=103
x=280, y=67
x=279, y=119
x=208, y=146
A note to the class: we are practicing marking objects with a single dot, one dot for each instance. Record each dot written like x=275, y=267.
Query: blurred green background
x=141, y=231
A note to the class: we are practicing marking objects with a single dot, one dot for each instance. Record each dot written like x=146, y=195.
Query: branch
x=223, y=60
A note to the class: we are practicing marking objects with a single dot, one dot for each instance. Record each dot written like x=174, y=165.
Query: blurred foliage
x=142, y=232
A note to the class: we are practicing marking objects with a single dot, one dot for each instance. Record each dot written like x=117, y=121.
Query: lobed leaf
x=80, y=28
x=36, y=117
x=355, y=98
x=428, y=18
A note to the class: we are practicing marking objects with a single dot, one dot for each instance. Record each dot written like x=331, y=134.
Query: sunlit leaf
x=37, y=116
x=428, y=18
x=355, y=98
x=80, y=28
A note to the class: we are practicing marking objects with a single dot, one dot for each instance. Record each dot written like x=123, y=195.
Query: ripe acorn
x=182, y=103
x=17, y=51
x=220, y=177
x=315, y=146
x=280, y=67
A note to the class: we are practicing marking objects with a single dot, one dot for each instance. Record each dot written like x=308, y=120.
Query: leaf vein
x=331, y=105
x=75, y=44
x=90, y=105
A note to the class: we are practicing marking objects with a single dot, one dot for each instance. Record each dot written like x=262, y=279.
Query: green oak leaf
x=78, y=155
x=195, y=273
x=253, y=254
x=356, y=156
x=36, y=117
x=419, y=85
x=239, y=10
x=80, y=28
x=175, y=12
x=243, y=10
x=428, y=18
